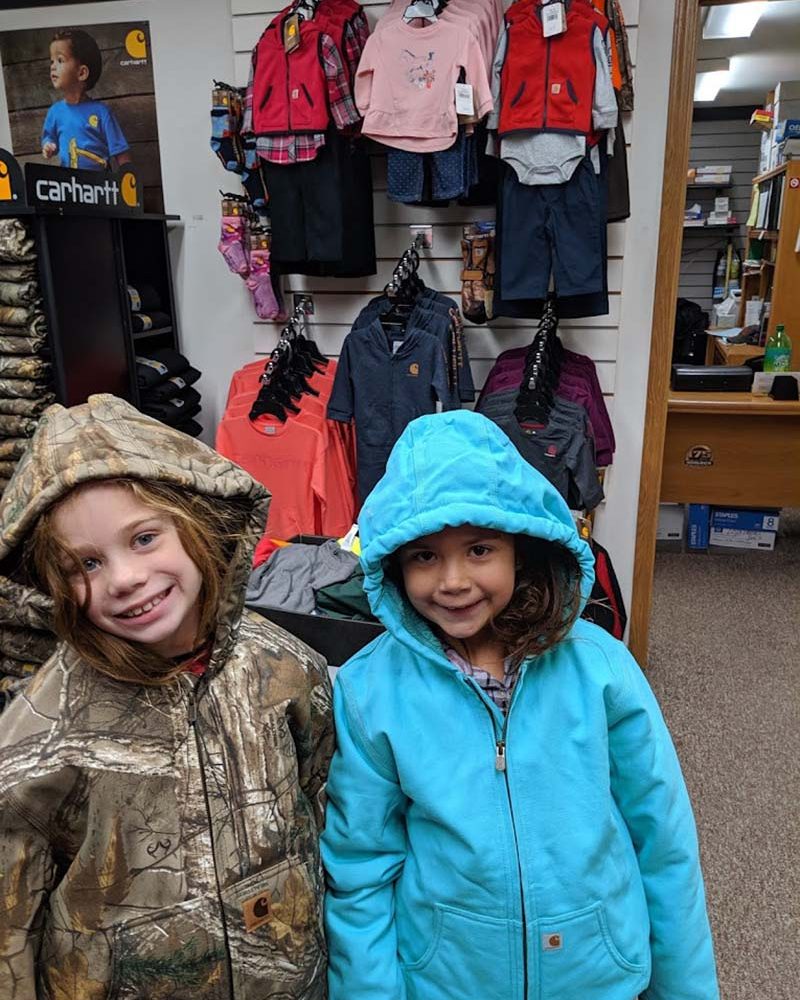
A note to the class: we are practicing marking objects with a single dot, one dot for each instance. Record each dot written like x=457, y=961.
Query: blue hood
x=445, y=470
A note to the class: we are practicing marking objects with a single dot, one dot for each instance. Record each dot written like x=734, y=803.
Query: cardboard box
x=697, y=526
x=788, y=128
x=670, y=522
x=745, y=519
x=728, y=538
x=788, y=90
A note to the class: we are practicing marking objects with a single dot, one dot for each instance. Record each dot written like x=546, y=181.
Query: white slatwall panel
x=717, y=142
x=337, y=301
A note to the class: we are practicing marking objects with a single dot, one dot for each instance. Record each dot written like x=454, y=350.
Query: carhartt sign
x=115, y=193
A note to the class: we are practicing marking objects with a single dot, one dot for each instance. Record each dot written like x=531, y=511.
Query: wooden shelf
x=700, y=184
x=731, y=402
x=776, y=172
x=763, y=234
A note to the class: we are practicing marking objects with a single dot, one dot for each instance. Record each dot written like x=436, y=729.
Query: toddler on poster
x=161, y=775
x=506, y=817
x=82, y=132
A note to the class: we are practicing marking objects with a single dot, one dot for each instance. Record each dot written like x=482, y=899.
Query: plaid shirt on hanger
x=300, y=148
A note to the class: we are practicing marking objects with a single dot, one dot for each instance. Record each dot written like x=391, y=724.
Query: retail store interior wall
x=618, y=343
x=735, y=142
x=191, y=42
x=195, y=40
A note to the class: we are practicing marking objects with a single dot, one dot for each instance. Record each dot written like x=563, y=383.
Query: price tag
x=554, y=19
x=465, y=105
x=291, y=33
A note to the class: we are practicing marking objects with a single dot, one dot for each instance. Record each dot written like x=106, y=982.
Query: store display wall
x=626, y=327
x=725, y=142
x=197, y=40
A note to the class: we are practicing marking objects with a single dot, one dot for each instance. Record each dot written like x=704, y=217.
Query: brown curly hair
x=546, y=599
x=209, y=532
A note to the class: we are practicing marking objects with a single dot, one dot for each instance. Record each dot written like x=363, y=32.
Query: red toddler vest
x=547, y=84
x=290, y=92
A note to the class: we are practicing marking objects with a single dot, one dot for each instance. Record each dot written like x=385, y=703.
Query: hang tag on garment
x=554, y=19
x=465, y=104
x=291, y=33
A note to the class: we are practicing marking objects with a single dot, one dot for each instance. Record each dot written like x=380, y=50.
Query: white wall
x=191, y=43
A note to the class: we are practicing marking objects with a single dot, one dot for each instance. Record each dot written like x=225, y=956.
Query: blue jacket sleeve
x=363, y=849
x=648, y=786
x=340, y=404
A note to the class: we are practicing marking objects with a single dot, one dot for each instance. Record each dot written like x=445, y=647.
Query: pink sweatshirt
x=405, y=84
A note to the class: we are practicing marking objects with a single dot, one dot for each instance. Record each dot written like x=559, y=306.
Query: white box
x=722, y=206
x=728, y=538
x=670, y=522
x=715, y=168
x=787, y=90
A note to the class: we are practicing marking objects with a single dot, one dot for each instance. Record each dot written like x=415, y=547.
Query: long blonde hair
x=208, y=529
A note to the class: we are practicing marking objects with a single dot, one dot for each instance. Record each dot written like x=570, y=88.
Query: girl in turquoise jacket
x=507, y=818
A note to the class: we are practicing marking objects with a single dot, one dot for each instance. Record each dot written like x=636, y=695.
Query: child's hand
x=49, y=149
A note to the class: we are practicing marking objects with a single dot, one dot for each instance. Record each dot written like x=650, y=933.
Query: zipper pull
x=500, y=756
x=192, y=709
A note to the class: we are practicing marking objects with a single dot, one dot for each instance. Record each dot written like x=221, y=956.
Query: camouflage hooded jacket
x=160, y=842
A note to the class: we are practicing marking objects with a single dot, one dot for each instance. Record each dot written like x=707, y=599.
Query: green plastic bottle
x=778, y=353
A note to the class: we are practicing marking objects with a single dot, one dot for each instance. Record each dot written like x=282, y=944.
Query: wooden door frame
x=685, y=34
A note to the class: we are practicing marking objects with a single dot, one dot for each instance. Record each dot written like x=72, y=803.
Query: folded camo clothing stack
x=26, y=639
x=25, y=372
x=166, y=381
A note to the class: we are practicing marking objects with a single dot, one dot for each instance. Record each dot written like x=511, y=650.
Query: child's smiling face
x=66, y=72
x=460, y=579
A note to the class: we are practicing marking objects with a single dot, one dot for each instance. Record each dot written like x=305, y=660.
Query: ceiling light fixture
x=712, y=76
x=708, y=85
x=733, y=20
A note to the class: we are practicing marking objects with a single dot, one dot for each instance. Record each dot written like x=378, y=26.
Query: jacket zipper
x=500, y=746
x=198, y=747
x=546, y=85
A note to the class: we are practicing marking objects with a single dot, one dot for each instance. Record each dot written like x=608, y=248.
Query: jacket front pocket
x=518, y=96
x=178, y=953
x=467, y=956
x=308, y=96
x=274, y=924
x=578, y=958
x=266, y=97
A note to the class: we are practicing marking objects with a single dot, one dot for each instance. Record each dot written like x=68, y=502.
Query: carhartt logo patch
x=256, y=912
x=413, y=369
x=555, y=88
x=552, y=942
x=552, y=451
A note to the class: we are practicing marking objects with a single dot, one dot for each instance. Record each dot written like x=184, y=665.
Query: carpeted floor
x=724, y=664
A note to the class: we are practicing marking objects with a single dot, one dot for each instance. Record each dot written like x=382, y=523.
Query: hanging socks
x=260, y=280
x=232, y=244
x=226, y=116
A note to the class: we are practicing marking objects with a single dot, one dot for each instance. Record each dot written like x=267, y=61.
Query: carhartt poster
x=82, y=96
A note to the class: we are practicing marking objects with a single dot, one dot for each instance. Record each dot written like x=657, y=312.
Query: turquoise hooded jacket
x=572, y=873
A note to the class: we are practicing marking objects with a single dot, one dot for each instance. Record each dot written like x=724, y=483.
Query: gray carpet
x=724, y=663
